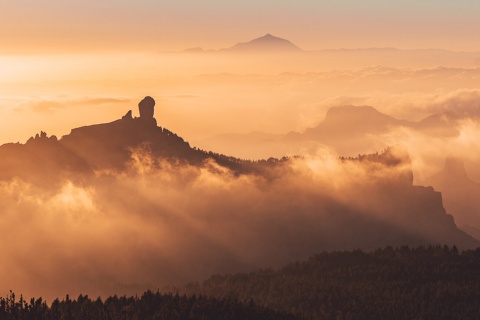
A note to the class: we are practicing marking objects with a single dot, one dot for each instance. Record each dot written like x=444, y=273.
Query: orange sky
x=64, y=64
x=64, y=26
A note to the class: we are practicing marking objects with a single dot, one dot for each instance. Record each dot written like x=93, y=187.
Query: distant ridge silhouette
x=460, y=194
x=346, y=129
x=266, y=43
x=326, y=58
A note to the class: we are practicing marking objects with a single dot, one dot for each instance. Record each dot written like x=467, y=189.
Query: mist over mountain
x=348, y=130
x=310, y=60
x=356, y=129
x=129, y=205
x=460, y=194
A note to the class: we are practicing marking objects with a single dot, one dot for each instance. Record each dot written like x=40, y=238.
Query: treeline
x=151, y=305
x=432, y=282
x=392, y=283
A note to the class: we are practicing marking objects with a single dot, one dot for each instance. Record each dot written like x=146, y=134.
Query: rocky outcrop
x=128, y=115
x=42, y=136
x=147, y=110
x=460, y=194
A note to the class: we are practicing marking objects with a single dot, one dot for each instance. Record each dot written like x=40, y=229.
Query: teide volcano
x=267, y=43
x=137, y=194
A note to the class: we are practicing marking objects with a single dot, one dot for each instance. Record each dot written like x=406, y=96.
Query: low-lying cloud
x=161, y=222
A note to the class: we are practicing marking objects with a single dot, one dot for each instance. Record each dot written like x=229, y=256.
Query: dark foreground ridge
x=150, y=306
x=431, y=282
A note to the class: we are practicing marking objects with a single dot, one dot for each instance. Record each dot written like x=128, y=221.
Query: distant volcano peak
x=267, y=42
x=269, y=36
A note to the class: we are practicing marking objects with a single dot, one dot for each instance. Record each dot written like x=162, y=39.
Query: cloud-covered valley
x=162, y=222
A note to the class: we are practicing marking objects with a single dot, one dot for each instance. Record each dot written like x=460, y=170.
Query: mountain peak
x=267, y=42
x=358, y=115
x=267, y=36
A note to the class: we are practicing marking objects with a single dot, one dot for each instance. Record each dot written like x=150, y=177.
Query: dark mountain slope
x=110, y=145
x=461, y=194
x=107, y=146
x=41, y=160
x=149, y=306
x=401, y=283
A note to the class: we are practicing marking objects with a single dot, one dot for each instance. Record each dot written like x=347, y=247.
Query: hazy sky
x=139, y=25
x=65, y=64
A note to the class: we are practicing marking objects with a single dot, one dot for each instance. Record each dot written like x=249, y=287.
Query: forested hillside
x=391, y=283
x=149, y=306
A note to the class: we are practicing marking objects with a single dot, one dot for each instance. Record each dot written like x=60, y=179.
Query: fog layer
x=161, y=222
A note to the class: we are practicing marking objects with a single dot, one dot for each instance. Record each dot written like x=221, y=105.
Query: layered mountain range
x=276, y=46
x=349, y=130
x=368, y=202
x=264, y=44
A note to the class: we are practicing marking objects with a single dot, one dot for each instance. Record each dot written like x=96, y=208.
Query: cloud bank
x=160, y=222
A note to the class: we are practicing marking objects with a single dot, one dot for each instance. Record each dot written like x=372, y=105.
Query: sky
x=65, y=64
x=28, y=26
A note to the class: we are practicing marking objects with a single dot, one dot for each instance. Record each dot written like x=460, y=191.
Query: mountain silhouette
x=341, y=58
x=267, y=43
x=389, y=209
x=460, y=194
x=110, y=146
x=42, y=161
x=349, y=130
x=352, y=120
x=107, y=146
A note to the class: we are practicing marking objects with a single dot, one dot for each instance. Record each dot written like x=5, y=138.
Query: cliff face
x=460, y=194
x=405, y=214
x=419, y=210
